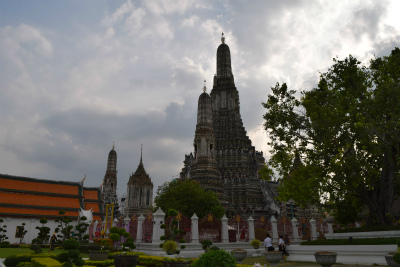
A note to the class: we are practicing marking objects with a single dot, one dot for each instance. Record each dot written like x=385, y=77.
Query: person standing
x=268, y=243
x=53, y=241
x=287, y=243
x=281, y=245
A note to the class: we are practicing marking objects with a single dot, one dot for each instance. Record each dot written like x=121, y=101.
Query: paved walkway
x=286, y=264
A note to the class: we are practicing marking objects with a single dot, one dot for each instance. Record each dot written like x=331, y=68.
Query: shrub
x=89, y=247
x=24, y=264
x=12, y=261
x=219, y=258
x=368, y=228
x=214, y=248
x=35, y=245
x=70, y=244
x=72, y=256
x=396, y=258
x=356, y=241
x=45, y=262
x=170, y=246
x=206, y=244
x=100, y=263
x=255, y=243
x=5, y=244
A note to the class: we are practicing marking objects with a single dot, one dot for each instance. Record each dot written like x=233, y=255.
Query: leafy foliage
x=3, y=230
x=72, y=256
x=35, y=245
x=43, y=230
x=81, y=229
x=206, y=244
x=355, y=241
x=346, y=132
x=215, y=258
x=117, y=234
x=169, y=245
x=64, y=229
x=22, y=232
x=176, y=195
x=396, y=257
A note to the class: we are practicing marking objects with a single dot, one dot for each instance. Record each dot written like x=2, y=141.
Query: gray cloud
x=132, y=71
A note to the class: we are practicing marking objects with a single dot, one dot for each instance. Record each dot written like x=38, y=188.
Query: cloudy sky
x=77, y=75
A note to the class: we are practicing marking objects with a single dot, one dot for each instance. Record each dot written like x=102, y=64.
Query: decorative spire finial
x=141, y=150
x=204, y=88
x=223, y=38
x=113, y=145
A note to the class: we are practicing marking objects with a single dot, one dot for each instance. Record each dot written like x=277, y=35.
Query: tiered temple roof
x=36, y=198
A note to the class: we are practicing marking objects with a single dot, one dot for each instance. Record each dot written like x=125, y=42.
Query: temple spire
x=141, y=153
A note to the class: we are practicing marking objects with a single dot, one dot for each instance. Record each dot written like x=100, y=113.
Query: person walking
x=53, y=241
x=268, y=243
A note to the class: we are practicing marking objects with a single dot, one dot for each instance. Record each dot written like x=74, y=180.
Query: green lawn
x=5, y=252
x=262, y=261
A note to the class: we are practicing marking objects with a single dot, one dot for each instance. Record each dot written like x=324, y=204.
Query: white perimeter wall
x=30, y=225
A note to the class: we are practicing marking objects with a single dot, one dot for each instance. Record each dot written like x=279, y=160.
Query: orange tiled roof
x=93, y=206
x=30, y=197
x=39, y=186
x=37, y=200
x=90, y=194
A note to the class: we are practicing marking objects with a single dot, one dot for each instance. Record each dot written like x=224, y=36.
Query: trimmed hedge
x=366, y=228
x=5, y=244
x=100, y=263
x=87, y=248
x=45, y=262
x=355, y=241
x=12, y=261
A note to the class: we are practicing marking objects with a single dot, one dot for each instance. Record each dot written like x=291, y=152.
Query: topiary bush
x=12, y=261
x=206, y=244
x=220, y=258
x=35, y=245
x=72, y=256
x=396, y=258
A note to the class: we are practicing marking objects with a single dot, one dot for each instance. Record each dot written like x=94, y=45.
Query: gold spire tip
x=223, y=38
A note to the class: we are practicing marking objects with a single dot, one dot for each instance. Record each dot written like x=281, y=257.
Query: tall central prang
x=236, y=160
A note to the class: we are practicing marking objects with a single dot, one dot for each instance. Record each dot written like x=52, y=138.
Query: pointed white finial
x=204, y=88
x=223, y=38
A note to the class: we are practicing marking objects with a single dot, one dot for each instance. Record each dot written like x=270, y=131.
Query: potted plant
x=239, y=255
x=170, y=247
x=255, y=243
x=273, y=257
x=325, y=258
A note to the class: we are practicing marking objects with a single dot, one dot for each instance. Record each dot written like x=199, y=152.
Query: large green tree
x=347, y=134
x=189, y=198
